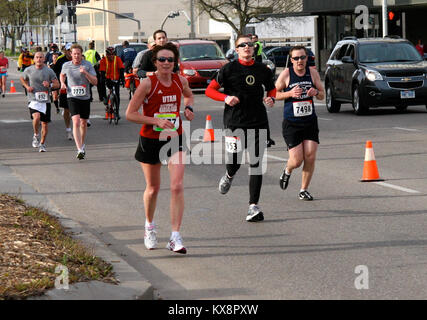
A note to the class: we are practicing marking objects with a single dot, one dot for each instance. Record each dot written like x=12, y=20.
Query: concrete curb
x=132, y=286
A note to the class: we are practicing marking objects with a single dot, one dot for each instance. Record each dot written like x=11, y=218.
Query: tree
x=13, y=16
x=239, y=13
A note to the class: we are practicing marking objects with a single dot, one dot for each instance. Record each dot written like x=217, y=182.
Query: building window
x=83, y=20
x=99, y=18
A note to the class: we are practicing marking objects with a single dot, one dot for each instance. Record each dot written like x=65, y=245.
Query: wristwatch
x=189, y=108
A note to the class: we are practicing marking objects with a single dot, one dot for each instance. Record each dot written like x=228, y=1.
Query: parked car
x=199, y=61
x=280, y=56
x=138, y=46
x=232, y=55
x=375, y=72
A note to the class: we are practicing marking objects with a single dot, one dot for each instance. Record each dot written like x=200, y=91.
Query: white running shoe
x=69, y=135
x=176, y=245
x=150, y=238
x=42, y=147
x=35, y=142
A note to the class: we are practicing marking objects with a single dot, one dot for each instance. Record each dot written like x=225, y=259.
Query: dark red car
x=199, y=60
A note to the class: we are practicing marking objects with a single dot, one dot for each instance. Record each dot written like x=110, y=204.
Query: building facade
x=152, y=14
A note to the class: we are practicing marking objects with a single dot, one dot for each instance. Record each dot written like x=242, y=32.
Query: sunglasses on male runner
x=163, y=59
x=244, y=44
x=297, y=58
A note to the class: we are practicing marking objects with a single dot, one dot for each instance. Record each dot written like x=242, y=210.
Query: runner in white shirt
x=39, y=80
x=79, y=74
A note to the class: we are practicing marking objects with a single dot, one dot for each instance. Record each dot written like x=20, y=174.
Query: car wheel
x=358, y=105
x=331, y=104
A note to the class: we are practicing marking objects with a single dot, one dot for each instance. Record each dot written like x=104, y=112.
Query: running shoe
x=42, y=147
x=69, y=135
x=57, y=110
x=284, y=180
x=270, y=142
x=225, y=184
x=89, y=123
x=2, y=95
x=35, y=142
x=254, y=214
x=176, y=245
x=150, y=238
x=305, y=195
x=80, y=155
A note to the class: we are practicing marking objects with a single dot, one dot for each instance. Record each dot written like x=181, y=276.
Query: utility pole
x=105, y=25
x=59, y=28
x=385, y=21
x=192, y=33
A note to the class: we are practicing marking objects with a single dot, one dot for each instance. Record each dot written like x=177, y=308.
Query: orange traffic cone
x=370, y=170
x=12, y=87
x=209, y=135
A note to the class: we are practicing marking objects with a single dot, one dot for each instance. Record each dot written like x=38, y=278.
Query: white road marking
x=396, y=187
x=276, y=158
x=324, y=119
x=15, y=121
x=406, y=129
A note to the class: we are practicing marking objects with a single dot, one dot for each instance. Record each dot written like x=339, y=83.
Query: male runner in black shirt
x=245, y=117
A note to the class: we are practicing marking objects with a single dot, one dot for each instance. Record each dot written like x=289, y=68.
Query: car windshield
x=388, y=52
x=137, y=47
x=200, y=52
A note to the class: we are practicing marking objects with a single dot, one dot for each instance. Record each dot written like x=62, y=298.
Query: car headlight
x=189, y=72
x=373, y=75
x=270, y=66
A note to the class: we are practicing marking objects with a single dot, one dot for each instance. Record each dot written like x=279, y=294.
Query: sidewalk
x=133, y=286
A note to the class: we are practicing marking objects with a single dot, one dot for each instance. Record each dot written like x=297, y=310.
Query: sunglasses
x=297, y=58
x=163, y=59
x=244, y=44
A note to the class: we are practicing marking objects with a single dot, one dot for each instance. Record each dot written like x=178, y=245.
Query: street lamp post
x=385, y=21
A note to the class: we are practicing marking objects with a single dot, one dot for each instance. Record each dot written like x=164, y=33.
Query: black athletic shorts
x=81, y=107
x=295, y=133
x=63, y=100
x=151, y=151
x=44, y=117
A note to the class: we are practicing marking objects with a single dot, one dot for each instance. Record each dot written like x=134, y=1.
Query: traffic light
x=173, y=14
x=394, y=23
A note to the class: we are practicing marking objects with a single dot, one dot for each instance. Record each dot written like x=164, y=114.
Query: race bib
x=233, y=144
x=303, y=108
x=78, y=91
x=172, y=117
x=42, y=96
x=3, y=69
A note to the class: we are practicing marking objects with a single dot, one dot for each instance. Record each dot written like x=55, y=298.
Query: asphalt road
x=303, y=250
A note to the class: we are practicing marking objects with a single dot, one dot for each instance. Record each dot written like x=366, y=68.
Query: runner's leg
x=176, y=172
x=152, y=182
x=310, y=149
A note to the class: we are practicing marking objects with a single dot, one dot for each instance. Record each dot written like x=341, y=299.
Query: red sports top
x=162, y=102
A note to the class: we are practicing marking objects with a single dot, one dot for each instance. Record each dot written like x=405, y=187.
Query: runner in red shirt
x=4, y=64
x=161, y=139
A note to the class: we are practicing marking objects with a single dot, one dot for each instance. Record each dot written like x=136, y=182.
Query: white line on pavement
x=276, y=158
x=324, y=119
x=15, y=121
x=396, y=187
x=406, y=129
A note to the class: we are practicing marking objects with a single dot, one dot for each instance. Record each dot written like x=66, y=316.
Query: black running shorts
x=81, y=107
x=151, y=150
x=295, y=133
x=63, y=100
x=44, y=117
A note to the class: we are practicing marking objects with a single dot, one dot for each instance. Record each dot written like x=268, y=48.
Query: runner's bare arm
x=25, y=84
x=62, y=77
x=188, y=98
x=282, y=83
x=315, y=76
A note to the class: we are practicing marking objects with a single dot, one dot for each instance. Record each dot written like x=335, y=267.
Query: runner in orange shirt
x=111, y=68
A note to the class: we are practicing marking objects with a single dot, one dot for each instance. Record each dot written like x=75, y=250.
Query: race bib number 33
x=78, y=91
x=233, y=144
x=172, y=117
x=303, y=108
